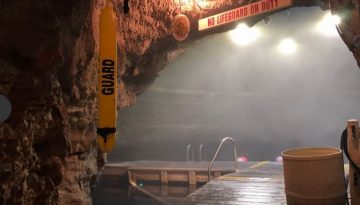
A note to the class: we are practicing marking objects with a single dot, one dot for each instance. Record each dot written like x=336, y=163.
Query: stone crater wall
x=48, y=61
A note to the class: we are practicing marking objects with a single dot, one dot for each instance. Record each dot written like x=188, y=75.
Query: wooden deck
x=261, y=183
x=256, y=183
x=170, y=171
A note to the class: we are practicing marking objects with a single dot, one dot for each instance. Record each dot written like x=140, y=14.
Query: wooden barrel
x=314, y=176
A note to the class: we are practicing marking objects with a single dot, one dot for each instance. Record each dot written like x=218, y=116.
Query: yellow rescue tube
x=107, y=81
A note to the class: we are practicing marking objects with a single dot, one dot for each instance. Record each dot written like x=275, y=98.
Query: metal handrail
x=188, y=151
x=201, y=148
x=200, y=151
x=217, y=152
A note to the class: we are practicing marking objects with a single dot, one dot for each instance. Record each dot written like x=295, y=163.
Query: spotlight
x=327, y=25
x=287, y=46
x=244, y=35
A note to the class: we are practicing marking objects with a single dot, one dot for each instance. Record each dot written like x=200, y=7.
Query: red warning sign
x=249, y=10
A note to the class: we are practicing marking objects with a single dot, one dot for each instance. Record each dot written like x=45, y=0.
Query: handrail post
x=200, y=151
x=188, y=151
x=217, y=152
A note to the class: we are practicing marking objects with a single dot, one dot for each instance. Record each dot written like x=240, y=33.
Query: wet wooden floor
x=255, y=183
x=260, y=183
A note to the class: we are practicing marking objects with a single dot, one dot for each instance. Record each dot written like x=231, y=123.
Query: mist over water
x=263, y=99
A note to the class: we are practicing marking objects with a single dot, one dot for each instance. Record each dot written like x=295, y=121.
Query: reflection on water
x=173, y=193
x=171, y=190
x=110, y=191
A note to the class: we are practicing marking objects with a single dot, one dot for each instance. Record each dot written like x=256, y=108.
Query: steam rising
x=266, y=101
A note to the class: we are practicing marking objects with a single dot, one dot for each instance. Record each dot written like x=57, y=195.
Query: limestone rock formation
x=47, y=70
x=349, y=29
x=48, y=61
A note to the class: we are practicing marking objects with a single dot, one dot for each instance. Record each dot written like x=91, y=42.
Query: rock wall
x=47, y=67
x=48, y=61
x=349, y=29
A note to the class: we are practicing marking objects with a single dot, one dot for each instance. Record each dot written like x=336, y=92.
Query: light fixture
x=327, y=25
x=243, y=35
x=287, y=46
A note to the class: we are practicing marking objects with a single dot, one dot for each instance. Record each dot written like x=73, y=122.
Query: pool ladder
x=190, y=151
x=188, y=148
x=201, y=148
x=217, y=152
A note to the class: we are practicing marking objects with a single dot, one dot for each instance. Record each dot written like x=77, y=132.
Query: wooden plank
x=147, y=176
x=200, y=177
x=114, y=171
x=164, y=178
x=132, y=176
x=178, y=176
x=262, y=184
x=175, y=171
x=179, y=191
x=181, y=166
x=192, y=178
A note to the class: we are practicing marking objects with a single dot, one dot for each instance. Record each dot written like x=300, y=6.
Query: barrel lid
x=311, y=153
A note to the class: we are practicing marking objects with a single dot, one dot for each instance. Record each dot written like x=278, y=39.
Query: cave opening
x=266, y=100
